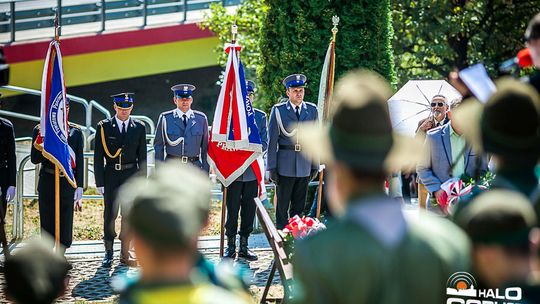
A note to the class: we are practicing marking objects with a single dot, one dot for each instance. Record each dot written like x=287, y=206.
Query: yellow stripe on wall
x=120, y=64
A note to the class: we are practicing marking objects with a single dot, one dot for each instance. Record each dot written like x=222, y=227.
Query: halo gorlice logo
x=461, y=284
x=461, y=288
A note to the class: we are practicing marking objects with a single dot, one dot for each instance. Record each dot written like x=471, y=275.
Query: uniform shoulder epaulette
x=310, y=104
x=199, y=113
x=6, y=122
x=260, y=111
x=74, y=126
x=166, y=113
x=137, y=121
x=281, y=104
x=106, y=120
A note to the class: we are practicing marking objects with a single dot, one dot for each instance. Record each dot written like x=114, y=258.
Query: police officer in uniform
x=182, y=133
x=8, y=172
x=240, y=196
x=289, y=169
x=69, y=196
x=121, y=142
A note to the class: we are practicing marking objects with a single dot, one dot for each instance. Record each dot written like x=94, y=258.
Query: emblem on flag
x=52, y=139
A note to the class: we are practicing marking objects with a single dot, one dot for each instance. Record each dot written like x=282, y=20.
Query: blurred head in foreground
x=35, y=274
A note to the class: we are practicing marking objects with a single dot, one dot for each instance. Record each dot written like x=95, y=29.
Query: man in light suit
x=289, y=169
x=447, y=155
x=437, y=118
x=182, y=133
x=241, y=194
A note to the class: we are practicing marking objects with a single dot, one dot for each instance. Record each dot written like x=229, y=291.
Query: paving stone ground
x=89, y=282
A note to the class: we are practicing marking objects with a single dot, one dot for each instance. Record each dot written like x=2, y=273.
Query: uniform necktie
x=184, y=120
x=123, y=127
x=298, y=112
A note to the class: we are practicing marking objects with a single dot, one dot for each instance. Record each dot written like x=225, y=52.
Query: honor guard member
x=69, y=196
x=8, y=172
x=121, y=143
x=182, y=133
x=289, y=169
x=241, y=194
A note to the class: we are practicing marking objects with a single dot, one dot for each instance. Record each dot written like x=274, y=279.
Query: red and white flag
x=235, y=143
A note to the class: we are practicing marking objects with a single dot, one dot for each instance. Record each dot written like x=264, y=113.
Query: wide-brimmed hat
x=507, y=125
x=360, y=133
x=498, y=216
x=169, y=208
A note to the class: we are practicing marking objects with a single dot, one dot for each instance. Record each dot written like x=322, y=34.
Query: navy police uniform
x=8, y=171
x=46, y=192
x=289, y=169
x=120, y=152
x=240, y=197
x=182, y=136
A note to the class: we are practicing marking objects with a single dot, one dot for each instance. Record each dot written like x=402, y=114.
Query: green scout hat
x=170, y=207
x=501, y=217
x=36, y=274
x=508, y=124
x=360, y=133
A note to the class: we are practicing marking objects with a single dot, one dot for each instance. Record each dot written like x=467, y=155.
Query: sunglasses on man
x=437, y=104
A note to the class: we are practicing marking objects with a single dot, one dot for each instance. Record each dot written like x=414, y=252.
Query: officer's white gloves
x=78, y=194
x=77, y=199
x=101, y=190
x=10, y=194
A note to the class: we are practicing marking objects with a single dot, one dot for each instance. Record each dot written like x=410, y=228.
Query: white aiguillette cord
x=166, y=137
x=281, y=127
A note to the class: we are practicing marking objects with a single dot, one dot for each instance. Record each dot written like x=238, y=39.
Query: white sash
x=179, y=140
x=281, y=127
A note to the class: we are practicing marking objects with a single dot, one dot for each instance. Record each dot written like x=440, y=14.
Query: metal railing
x=18, y=207
x=42, y=16
x=88, y=106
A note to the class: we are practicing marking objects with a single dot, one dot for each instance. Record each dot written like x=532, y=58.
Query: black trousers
x=113, y=181
x=240, y=199
x=291, y=192
x=46, y=198
x=4, y=185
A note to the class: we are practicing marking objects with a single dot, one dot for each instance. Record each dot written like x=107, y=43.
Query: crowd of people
x=372, y=251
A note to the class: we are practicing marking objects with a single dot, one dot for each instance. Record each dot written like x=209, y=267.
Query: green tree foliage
x=295, y=36
x=248, y=18
x=434, y=37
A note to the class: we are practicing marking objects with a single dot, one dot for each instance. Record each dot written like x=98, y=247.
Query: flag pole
x=56, y=169
x=319, y=193
x=222, y=230
x=234, y=32
x=56, y=208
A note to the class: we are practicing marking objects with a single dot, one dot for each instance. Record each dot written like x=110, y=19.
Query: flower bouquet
x=456, y=189
x=298, y=228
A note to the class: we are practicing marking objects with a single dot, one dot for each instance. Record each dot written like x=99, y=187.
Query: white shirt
x=181, y=114
x=299, y=107
x=119, y=122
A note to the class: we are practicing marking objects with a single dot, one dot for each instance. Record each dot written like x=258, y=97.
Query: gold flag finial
x=234, y=31
x=335, y=22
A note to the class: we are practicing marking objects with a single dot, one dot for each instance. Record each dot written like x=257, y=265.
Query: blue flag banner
x=53, y=135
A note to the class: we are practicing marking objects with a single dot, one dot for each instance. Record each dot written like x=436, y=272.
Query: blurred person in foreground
x=501, y=224
x=507, y=127
x=165, y=215
x=372, y=253
x=35, y=274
